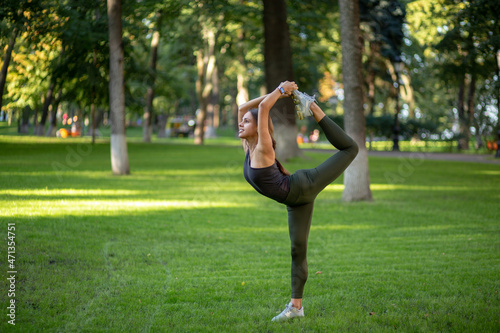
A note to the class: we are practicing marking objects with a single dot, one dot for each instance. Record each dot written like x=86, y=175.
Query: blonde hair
x=255, y=115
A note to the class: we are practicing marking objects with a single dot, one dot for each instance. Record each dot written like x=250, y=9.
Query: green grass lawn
x=183, y=244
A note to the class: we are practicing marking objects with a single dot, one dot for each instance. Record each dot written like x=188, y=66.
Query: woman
x=299, y=190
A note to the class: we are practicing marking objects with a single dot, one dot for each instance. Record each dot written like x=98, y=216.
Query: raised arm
x=252, y=104
x=265, y=145
x=264, y=105
x=242, y=110
x=245, y=107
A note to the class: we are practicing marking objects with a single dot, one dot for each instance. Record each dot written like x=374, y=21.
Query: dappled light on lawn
x=70, y=192
x=390, y=187
x=411, y=187
x=488, y=172
x=108, y=207
x=334, y=188
x=279, y=227
x=334, y=227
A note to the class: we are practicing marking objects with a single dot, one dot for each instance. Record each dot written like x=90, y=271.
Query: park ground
x=184, y=244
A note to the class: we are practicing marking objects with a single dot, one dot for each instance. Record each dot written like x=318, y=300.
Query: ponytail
x=282, y=169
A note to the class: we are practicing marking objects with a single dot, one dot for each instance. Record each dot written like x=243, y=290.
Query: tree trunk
x=214, y=101
x=92, y=128
x=118, y=146
x=40, y=128
x=356, y=176
x=6, y=62
x=53, y=116
x=242, y=96
x=24, y=121
x=463, y=140
x=97, y=119
x=470, y=105
x=76, y=126
x=370, y=79
x=278, y=65
x=407, y=94
x=241, y=79
x=204, y=85
x=242, y=86
x=148, y=110
x=162, y=124
x=212, y=120
x=497, y=154
x=201, y=113
x=35, y=120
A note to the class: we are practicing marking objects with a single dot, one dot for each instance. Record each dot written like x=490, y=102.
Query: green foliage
x=448, y=42
x=468, y=57
x=184, y=244
x=385, y=20
x=466, y=38
x=84, y=54
x=30, y=15
x=383, y=127
x=314, y=39
x=66, y=41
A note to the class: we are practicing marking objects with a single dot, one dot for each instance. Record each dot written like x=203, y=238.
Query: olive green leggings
x=305, y=185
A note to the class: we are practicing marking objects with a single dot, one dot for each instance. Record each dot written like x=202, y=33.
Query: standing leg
x=299, y=224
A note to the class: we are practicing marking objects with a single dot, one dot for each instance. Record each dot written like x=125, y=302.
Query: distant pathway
x=475, y=158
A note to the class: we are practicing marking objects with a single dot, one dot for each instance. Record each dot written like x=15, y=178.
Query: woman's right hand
x=288, y=86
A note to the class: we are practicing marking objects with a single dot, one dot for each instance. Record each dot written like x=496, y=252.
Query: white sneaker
x=302, y=103
x=289, y=313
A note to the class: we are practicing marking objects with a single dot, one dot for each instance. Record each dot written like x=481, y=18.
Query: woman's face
x=248, y=127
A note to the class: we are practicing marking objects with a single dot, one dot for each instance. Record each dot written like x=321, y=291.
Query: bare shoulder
x=264, y=156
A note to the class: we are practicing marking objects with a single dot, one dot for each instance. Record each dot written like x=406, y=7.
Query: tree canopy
x=59, y=60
